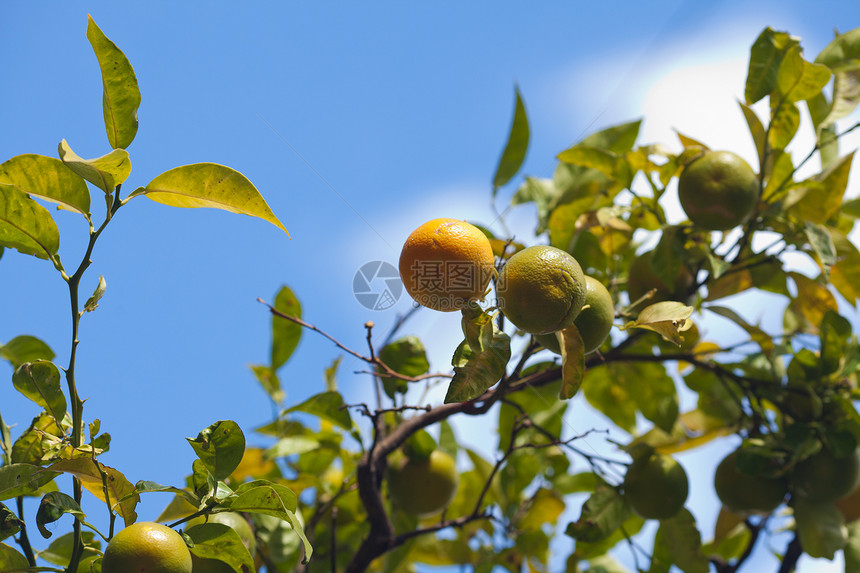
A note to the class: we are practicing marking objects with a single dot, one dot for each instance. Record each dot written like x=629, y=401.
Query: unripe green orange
x=594, y=321
x=146, y=547
x=744, y=493
x=825, y=477
x=541, y=289
x=424, y=487
x=718, y=190
x=656, y=486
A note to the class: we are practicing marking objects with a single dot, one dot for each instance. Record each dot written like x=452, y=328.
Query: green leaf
x=657, y=399
x=610, y=396
x=328, y=406
x=220, y=447
x=53, y=506
x=96, y=477
x=631, y=526
x=10, y=524
x=718, y=398
x=22, y=479
x=572, y=362
x=405, y=356
x=542, y=193
x=270, y=382
x=515, y=150
x=59, y=552
x=756, y=333
x=25, y=348
x=602, y=514
x=618, y=138
x=27, y=226
x=766, y=56
x=220, y=542
x=11, y=560
x=843, y=52
x=120, y=95
x=476, y=370
x=784, y=121
x=209, y=185
x=285, y=333
x=820, y=527
x=40, y=382
x=665, y=318
x=822, y=243
x=105, y=172
x=34, y=443
x=47, y=178
x=679, y=543
x=825, y=191
x=798, y=79
x=93, y=302
x=756, y=128
x=291, y=445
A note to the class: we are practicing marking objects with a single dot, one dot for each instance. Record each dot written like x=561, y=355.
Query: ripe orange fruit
x=642, y=278
x=594, y=321
x=146, y=547
x=424, y=487
x=541, y=289
x=446, y=263
x=718, y=190
x=656, y=486
x=744, y=493
x=824, y=477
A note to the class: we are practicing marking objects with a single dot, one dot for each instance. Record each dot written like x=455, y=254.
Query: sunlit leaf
x=845, y=274
x=825, y=192
x=766, y=56
x=22, y=479
x=691, y=430
x=820, y=527
x=220, y=446
x=26, y=226
x=572, y=362
x=31, y=446
x=813, y=299
x=96, y=478
x=784, y=121
x=40, y=382
x=25, y=348
x=328, y=406
x=93, y=302
x=756, y=128
x=545, y=506
x=11, y=560
x=254, y=464
x=479, y=367
x=120, y=95
x=105, y=172
x=666, y=318
x=46, y=178
x=822, y=243
x=798, y=79
x=209, y=185
x=219, y=542
x=515, y=149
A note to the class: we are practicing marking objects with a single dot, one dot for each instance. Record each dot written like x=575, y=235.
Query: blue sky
x=357, y=122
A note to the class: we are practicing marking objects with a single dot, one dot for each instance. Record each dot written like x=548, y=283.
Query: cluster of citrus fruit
x=445, y=264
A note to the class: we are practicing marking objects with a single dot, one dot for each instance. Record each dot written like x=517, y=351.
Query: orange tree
x=782, y=399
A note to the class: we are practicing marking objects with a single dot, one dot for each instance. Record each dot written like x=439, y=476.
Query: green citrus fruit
x=446, y=263
x=718, y=190
x=594, y=321
x=146, y=547
x=825, y=477
x=744, y=493
x=642, y=279
x=541, y=289
x=424, y=487
x=656, y=486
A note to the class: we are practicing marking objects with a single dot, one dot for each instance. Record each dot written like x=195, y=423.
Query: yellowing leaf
x=46, y=178
x=89, y=472
x=666, y=318
x=105, y=172
x=120, y=95
x=572, y=362
x=813, y=299
x=209, y=185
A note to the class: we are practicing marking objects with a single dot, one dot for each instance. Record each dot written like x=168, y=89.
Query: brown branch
x=792, y=554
